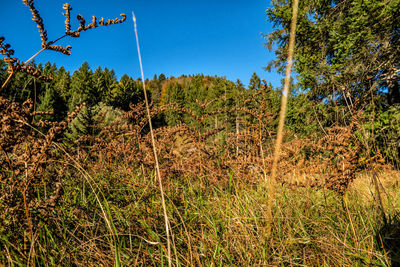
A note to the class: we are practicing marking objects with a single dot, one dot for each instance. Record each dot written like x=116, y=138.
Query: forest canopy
x=342, y=47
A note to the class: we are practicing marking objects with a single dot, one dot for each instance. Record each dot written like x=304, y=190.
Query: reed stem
x=154, y=147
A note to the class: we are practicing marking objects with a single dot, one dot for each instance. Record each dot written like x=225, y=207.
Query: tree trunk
x=394, y=94
x=392, y=82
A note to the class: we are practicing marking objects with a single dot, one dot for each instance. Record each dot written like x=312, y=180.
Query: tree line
x=67, y=90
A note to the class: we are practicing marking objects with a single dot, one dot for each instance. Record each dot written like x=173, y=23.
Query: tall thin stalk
x=282, y=115
x=154, y=147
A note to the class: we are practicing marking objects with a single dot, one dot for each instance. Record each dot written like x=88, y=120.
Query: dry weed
x=25, y=156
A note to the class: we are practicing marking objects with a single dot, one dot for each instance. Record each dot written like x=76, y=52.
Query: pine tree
x=110, y=81
x=99, y=85
x=82, y=88
x=126, y=92
x=255, y=82
x=104, y=82
x=342, y=47
x=161, y=77
x=175, y=95
x=21, y=87
x=47, y=102
x=80, y=124
x=62, y=83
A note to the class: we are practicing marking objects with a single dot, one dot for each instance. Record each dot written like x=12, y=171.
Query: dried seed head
x=67, y=15
x=82, y=22
x=94, y=23
x=59, y=48
x=15, y=65
x=36, y=18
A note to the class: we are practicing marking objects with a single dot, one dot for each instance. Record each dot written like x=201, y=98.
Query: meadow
x=97, y=201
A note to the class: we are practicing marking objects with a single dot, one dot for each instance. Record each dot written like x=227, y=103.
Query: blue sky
x=176, y=37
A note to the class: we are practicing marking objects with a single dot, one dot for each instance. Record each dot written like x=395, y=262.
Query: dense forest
x=309, y=111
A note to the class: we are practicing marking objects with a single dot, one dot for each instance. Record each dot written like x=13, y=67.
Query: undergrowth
x=96, y=201
x=212, y=224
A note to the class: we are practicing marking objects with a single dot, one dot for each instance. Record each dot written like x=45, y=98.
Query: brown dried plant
x=15, y=65
x=25, y=152
x=24, y=158
x=82, y=21
x=213, y=154
x=185, y=151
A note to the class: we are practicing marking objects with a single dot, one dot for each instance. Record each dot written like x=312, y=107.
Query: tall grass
x=218, y=225
x=153, y=142
x=282, y=112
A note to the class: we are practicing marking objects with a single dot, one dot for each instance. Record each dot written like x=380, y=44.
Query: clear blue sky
x=220, y=37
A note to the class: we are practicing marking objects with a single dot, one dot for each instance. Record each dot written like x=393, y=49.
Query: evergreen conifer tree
x=255, y=82
x=82, y=88
x=342, y=47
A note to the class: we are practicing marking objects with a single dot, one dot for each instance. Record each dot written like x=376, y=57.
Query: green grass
x=214, y=225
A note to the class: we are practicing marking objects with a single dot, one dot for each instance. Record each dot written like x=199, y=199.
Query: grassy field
x=213, y=225
x=96, y=201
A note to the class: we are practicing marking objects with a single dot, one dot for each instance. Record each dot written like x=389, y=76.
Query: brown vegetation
x=33, y=169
